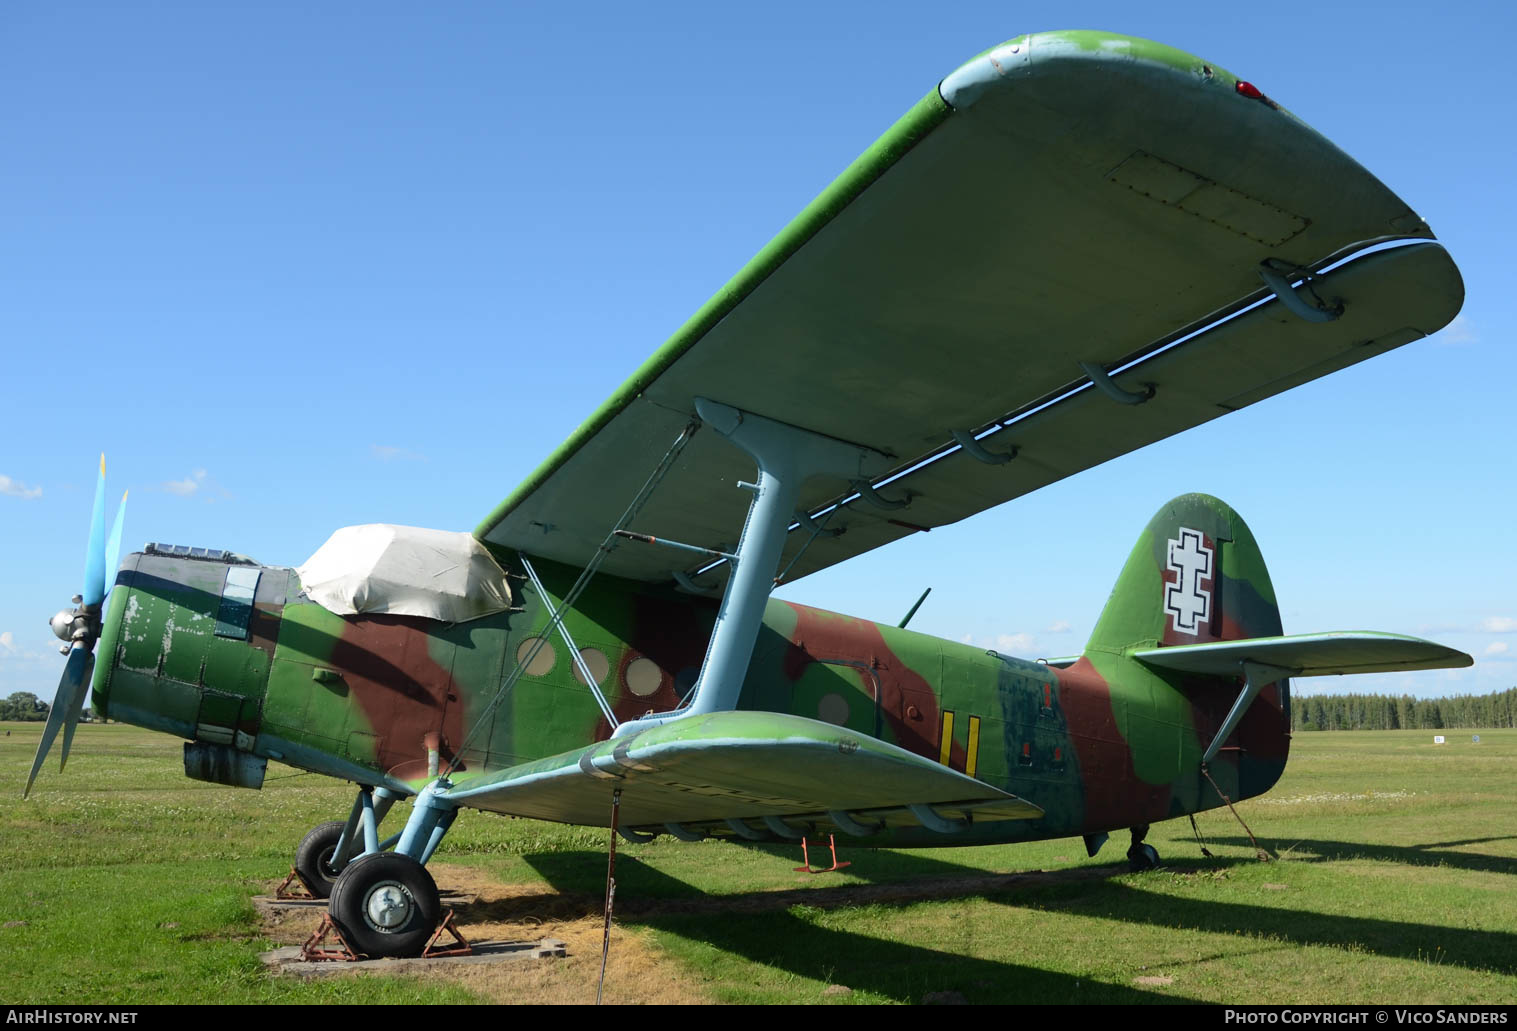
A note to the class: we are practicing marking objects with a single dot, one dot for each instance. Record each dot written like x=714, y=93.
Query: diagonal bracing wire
x=585, y=576
x=574, y=652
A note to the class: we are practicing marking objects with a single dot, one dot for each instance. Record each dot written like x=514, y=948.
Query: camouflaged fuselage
x=1103, y=744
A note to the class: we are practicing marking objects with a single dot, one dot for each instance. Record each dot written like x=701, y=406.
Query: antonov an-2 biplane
x=1075, y=245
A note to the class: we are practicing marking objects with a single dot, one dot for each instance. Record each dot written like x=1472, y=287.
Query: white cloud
x=1459, y=332
x=9, y=650
x=17, y=489
x=187, y=486
x=1499, y=625
x=1059, y=626
x=1016, y=644
x=198, y=482
x=1497, y=648
x=1022, y=646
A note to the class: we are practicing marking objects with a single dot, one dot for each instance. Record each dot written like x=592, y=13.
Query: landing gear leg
x=1141, y=856
x=331, y=846
x=386, y=903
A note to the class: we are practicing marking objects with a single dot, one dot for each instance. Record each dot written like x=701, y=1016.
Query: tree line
x=1385, y=712
x=23, y=705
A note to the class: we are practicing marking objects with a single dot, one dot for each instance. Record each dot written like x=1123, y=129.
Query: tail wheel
x=386, y=904
x=314, y=858
x=1142, y=857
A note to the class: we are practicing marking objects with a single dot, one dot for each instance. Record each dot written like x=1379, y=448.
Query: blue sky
x=294, y=267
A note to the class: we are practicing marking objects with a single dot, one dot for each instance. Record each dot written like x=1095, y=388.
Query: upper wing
x=1066, y=198
x=742, y=765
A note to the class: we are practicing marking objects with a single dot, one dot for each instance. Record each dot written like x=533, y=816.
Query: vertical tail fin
x=1195, y=576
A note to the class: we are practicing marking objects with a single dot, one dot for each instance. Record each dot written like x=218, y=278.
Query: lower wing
x=719, y=771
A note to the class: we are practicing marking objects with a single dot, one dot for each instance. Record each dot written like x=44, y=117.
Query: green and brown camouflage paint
x=1104, y=744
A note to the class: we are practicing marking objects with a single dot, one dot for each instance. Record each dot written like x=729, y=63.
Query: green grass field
x=123, y=882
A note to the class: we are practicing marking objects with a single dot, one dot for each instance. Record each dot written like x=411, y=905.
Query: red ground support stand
x=459, y=947
x=292, y=887
x=806, y=858
x=314, y=952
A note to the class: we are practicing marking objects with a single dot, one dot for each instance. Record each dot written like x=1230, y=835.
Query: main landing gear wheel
x=313, y=859
x=385, y=904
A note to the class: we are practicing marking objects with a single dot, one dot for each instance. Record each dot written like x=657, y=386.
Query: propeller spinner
x=80, y=628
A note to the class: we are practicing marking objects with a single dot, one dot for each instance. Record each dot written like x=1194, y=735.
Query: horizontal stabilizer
x=1309, y=655
x=734, y=766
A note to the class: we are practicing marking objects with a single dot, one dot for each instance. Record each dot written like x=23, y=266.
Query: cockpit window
x=237, y=602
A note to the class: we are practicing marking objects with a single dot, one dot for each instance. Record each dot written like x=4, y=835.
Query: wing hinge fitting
x=689, y=586
x=868, y=493
x=1277, y=275
x=1106, y=385
x=933, y=820
x=783, y=829
x=684, y=833
x=742, y=830
x=811, y=526
x=978, y=451
x=846, y=823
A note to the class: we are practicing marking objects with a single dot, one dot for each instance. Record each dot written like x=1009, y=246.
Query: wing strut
x=787, y=457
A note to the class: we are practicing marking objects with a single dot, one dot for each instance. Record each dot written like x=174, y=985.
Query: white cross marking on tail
x=1185, y=600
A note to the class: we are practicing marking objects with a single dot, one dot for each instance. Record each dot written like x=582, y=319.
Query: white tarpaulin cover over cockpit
x=405, y=571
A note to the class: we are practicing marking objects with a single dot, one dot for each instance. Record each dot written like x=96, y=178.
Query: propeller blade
x=71, y=685
x=113, y=550
x=94, y=558
x=76, y=707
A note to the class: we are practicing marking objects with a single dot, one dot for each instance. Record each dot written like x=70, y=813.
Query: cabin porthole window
x=542, y=662
x=644, y=677
x=833, y=708
x=598, y=663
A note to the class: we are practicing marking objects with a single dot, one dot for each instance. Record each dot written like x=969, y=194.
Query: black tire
x=313, y=859
x=385, y=904
x=1142, y=857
